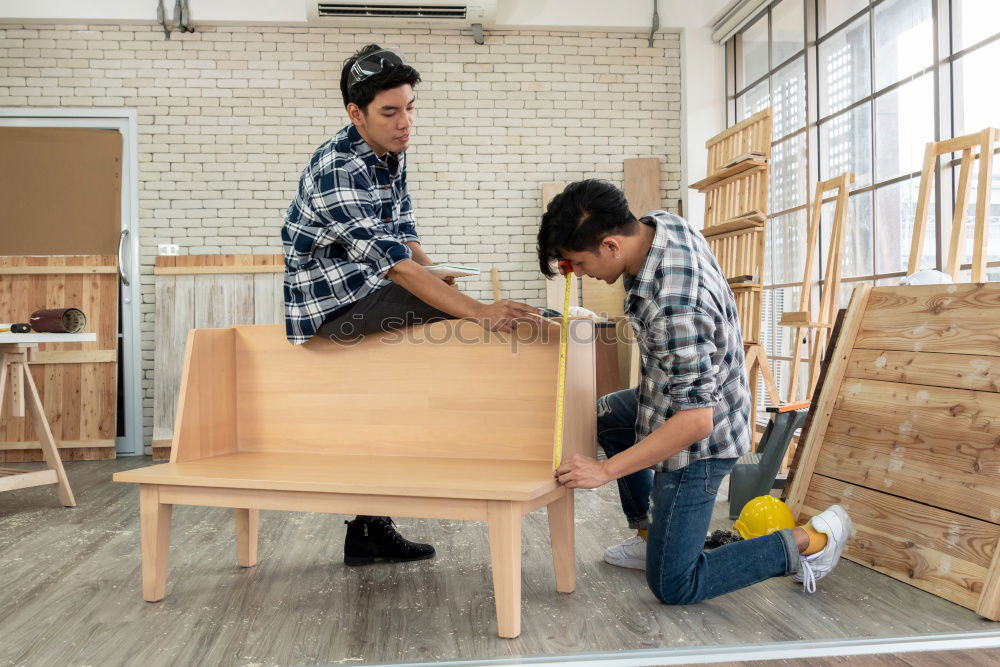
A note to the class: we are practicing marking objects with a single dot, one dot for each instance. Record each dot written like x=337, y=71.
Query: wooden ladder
x=984, y=141
x=736, y=192
x=814, y=332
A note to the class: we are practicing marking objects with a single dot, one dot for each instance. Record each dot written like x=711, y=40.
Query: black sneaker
x=376, y=541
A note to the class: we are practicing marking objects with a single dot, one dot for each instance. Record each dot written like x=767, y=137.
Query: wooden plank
x=936, y=369
x=920, y=458
x=919, y=334
x=958, y=302
x=642, y=185
x=734, y=225
x=721, y=175
x=264, y=297
x=55, y=270
x=75, y=357
x=941, y=552
x=61, y=444
x=206, y=404
x=740, y=127
x=175, y=308
x=971, y=410
x=989, y=601
x=743, y=157
x=24, y=479
x=983, y=194
x=823, y=406
x=215, y=270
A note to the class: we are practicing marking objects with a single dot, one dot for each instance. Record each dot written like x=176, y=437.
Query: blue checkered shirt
x=684, y=316
x=344, y=230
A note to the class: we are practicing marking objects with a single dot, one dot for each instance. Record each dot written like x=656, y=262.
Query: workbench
x=19, y=396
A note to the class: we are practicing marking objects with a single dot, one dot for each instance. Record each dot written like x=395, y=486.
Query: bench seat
x=437, y=421
x=480, y=479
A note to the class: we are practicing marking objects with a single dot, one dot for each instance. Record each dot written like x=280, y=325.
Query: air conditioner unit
x=401, y=13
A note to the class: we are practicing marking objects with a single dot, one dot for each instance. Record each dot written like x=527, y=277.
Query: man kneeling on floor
x=689, y=418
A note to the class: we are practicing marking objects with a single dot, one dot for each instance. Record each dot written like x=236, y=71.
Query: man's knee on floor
x=673, y=589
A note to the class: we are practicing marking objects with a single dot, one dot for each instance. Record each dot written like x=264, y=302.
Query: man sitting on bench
x=353, y=260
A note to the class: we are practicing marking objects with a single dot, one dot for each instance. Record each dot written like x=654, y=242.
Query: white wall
x=702, y=64
x=229, y=115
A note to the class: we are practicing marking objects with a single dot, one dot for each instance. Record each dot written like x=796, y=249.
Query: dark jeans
x=678, y=570
x=390, y=307
x=616, y=415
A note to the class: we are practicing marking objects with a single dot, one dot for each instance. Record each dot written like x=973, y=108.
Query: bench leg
x=154, y=528
x=504, y=519
x=561, y=533
x=247, y=522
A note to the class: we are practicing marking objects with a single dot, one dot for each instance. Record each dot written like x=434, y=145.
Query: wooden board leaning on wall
x=204, y=291
x=904, y=436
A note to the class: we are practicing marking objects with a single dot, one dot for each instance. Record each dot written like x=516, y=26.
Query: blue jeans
x=678, y=570
x=616, y=415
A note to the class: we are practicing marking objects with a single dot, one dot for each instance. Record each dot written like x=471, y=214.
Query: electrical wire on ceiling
x=656, y=24
x=181, y=21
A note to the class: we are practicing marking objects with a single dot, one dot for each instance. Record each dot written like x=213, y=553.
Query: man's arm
x=673, y=436
x=430, y=289
x=419, y=256
x=681, y=341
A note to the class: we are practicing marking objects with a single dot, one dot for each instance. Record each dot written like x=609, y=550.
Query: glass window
x=876, y=107
x=973, y=21
x=977, y=93
x=788, y=174
x=904, y=40
x=788, y=246
x=844, y=68
x=846, y=145
x=834, y=12
x=857, y=254
x=789, y=299
x=896, y=206
x=904, y=124
x=754, y=100
x=788, y=98
x=992, y=215
x=754, y=51
x=787, y=31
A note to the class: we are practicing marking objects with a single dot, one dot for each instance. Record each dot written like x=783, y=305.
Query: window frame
x=943, y=59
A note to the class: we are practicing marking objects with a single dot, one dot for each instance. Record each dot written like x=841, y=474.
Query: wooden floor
x=70, y=592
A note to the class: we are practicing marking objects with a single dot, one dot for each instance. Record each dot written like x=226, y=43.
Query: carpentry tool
x=16, y=327
x=566, y=267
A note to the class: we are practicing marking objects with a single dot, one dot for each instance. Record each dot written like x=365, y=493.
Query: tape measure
x=561, y=396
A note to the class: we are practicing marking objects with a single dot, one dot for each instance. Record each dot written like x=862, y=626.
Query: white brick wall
x=229, y=116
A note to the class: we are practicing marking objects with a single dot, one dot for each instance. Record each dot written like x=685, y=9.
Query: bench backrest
x=447, y=389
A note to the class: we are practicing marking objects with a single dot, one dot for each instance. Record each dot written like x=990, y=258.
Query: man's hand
x=503, y=315
x=449, y=280
x=582, y=472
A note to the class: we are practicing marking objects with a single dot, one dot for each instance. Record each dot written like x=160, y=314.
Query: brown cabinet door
x=78, y=381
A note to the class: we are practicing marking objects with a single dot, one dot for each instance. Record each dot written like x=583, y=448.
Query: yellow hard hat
x=762, y=516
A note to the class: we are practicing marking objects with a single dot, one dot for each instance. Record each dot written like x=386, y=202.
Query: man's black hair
x=579, y=218
x=364, y=92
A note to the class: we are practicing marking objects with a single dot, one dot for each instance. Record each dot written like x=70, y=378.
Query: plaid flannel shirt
x=684, y=316
x=344, y=230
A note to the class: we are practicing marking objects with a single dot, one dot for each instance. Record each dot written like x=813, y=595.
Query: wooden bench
x=442, y=421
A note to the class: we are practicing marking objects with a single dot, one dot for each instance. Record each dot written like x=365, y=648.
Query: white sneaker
x=630, y=553
x=836, y=525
